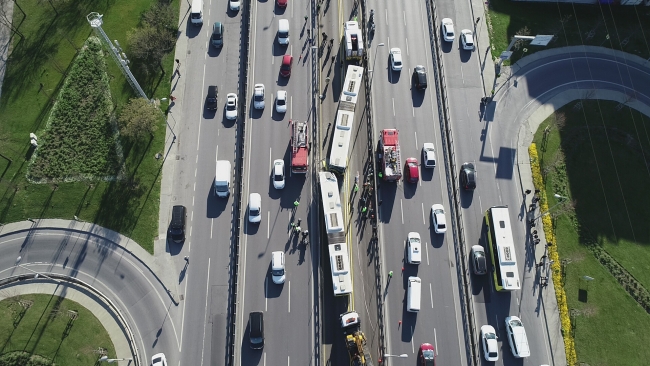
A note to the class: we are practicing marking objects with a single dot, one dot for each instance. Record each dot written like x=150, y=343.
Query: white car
x=438, y=218
x=396, y=59
x=255, y=208
x=278, y=174
x=159, y=359
x=258, y=96
x=467, y=39
x=517, y=337
x=489, y=341
x=448, y=30
x=231, y=106
x=414, y=247
x=235, y=4
x=428, y=155
x=281, y=101
x=278, y=273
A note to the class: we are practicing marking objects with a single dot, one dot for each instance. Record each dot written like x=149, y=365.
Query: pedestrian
x=178, y=63
x=356, y=188
x=305, y=233
x=298, y=229
x=544, y=279
x=380, y=175
x=478, y=20
x=318, y=7
x=324, y=36
x=380, y=202
x=333, y=58
x=293, y=224
x=390, y=274
x=544, y=284
x=296, y=203
x=300, y=58
x=187, y=258
x=544, y=257
x=528, y=191
x=364, y=209
x=173, y=98
x=331, y=41
x=306, y=17
x=307, y=33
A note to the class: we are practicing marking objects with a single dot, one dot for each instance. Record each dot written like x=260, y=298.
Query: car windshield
x=515, y=323
x=493, y=354
x=281, y=102
x=415, y=240
x=255, y=212
x=279, y=178
x=427, y=354
x=157, y=360
x=231, y=106
x=490, y=336
x=259, y=97
x=278, y=272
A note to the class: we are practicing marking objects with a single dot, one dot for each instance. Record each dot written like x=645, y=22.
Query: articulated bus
x=342, y=134
x=502, y=249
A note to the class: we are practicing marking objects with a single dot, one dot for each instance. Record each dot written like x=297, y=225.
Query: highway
x=289, y=308
x=405, y=206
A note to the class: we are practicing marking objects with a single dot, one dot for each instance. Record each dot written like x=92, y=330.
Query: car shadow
x=445, y=46
x=251, y=228
x=409, y=189
x=393, y=76
x=466, y=197
x=232, y=13
x=215, y=205
x=271, y=290
x=209, y=113
x=426, y=174
x=387, y=194
x=417, y=96
x=437, y=240
x=249, y=356
x=214, y=51
x=283, y=81
x=278, y=50
x=192, y=30
x=256, y=113
x=464, y=55
x=277, y=116
x=227, y=123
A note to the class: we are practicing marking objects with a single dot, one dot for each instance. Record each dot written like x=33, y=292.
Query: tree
x=138, y=118
x=155, y=38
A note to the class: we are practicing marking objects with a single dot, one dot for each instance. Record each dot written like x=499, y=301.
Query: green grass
x=45, y=329
x=602, y=168
x=44, y=56
x=623, y=28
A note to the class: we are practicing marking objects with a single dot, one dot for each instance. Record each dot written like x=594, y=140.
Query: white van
x=414, y=292
x=517, y=337
x=283, y=32
x=255, y=208
x=277, y=267
x=222, y=178
x=196, y=13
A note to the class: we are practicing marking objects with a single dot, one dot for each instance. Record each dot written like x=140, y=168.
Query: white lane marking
x=270, y=157
x=289, y=302
x=435, y=340
x=404, y=18
x=288, y=361
x=268, y=224
x=216, y=158
x=412, y=345
x=205, y=317
x=211, y=227
x=416, y=140
x=401, y=208
x=424, y=219
x=426, y=246
x=266, y=290
x=431, y=295
x=393, y=101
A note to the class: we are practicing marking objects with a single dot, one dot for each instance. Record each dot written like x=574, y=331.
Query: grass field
x=625, y=28
x=599, y=155
x=45, y=329
x=35, y=74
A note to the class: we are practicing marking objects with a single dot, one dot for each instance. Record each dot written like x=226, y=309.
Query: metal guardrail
x=72, y=280
x=471, y=336
x=231, y=333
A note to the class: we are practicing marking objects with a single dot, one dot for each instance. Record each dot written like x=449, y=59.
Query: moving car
x=426, y=355
x=256, y=324
x=438, y=218
x=217, y=35
x=235, y=5
x=278, y=174
x=467, y=38
x=517, y=337
x=414, y=248
x=467, y=176
x=428, y=155
x=281, y=101
x=255, y=208
x=159, y=359
x=396, y=59
x=448, y=30
x=420, y=77
x=285, y=68
x=479, y=261
x=231, y=106
x=277, y=267
x=489, y=341
x=258, y=96
x=211, y=99
x=412, y=171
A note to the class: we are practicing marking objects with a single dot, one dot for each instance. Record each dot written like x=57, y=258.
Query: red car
x=427, y=355
x=282, y=3
x=411, y=170
x=285, y=69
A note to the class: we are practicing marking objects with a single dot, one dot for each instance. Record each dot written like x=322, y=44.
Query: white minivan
x=283, y=32
x=277, y=267
x=196, y=12
x=414, y=292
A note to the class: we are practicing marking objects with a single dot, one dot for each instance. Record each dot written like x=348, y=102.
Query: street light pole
x=31, y=270
x=112, y=360
x=561, y=198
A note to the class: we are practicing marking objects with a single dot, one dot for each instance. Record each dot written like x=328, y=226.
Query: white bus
x=337, y=246
x=342, y=134
x=502, y=249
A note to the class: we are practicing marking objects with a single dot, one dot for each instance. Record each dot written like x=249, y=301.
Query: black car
x=217, y=35
x=468, y=176
x=420, y=77
x=213, y=93
x=177, y=224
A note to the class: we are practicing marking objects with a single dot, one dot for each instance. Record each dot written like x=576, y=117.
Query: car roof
x=281, y=94
x=286, y=59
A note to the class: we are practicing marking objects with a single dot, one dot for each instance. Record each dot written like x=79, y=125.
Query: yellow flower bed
x=538, y=181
